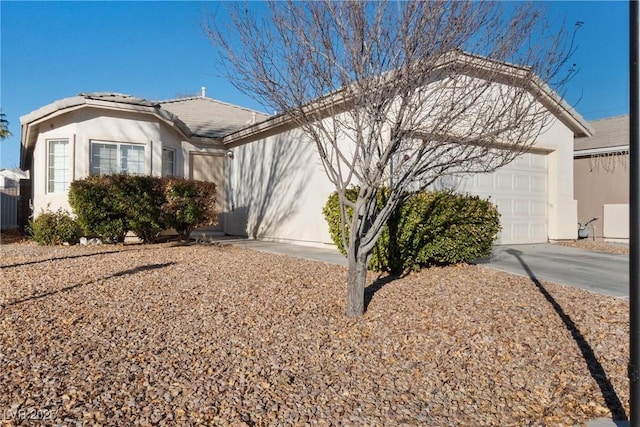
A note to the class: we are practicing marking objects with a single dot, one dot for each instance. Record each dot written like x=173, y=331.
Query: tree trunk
x=356, y=279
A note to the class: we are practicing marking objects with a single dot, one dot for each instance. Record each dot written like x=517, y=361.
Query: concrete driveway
x=603, y=273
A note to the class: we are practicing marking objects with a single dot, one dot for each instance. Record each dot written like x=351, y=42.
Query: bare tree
x=397, y=93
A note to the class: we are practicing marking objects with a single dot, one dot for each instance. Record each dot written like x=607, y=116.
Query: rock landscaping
x=597, y=245
x=205, y=335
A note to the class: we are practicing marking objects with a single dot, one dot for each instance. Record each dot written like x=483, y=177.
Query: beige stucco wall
x=562, y=208
x=601, y=181
x=88, y=124
x=615, y=222
x=277, y=188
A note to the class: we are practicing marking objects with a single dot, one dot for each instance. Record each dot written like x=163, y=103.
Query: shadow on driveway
x=602, y=273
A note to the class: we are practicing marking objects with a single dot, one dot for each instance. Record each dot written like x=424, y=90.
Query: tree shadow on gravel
x=380, y=283
x=62, y=258
x=595, y=367
x=78, y=285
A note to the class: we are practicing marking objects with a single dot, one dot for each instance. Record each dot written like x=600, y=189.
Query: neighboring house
x=11, y=186
x=601, y=178
x=10, y=178
x=273, y=185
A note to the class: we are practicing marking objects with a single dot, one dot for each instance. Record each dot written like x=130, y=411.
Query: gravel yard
x=208, y=335
x=597, y=245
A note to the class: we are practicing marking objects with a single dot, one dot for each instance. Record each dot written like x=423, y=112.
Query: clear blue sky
x=157, y=50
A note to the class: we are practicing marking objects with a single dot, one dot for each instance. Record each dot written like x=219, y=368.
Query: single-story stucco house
x=272, y=183
x=98, y=133
x=601, y=178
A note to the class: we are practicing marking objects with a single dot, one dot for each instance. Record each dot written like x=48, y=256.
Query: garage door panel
x=519, y=190
x=519, y=162
x=520, y=231
x=484, y=181
x=539, y=184
x=505, y=206
x=504, y=182
x=538, y=229
x=521, y=207
x=539, y=208
x=522, y=182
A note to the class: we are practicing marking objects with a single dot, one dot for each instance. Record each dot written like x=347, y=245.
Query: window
x=109, y=158
x=168, y=162
x=58, y=165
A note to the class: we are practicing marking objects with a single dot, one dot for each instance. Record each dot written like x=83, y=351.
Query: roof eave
x=601, y=150
x=547, y=96
x=28, y=137
x=263, y=129
x=561, y=109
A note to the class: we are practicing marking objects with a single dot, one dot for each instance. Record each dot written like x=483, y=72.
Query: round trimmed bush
x=428, y=228
x=54, y=228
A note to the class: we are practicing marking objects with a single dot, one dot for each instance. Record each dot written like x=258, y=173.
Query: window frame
x=173, y=161
x=50, y=181
x=118, y=160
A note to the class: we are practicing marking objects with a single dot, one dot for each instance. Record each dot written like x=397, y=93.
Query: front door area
x=210, y=167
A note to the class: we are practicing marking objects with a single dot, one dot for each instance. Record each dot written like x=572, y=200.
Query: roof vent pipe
x=204, y=92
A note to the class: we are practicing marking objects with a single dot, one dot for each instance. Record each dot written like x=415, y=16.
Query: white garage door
x=520, y=192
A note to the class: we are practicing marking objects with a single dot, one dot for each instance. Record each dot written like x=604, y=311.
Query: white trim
x=69, y=164
x=118, y=145
x=602, y=150
x=148, y=162
x=72, y=154
x=173, y=163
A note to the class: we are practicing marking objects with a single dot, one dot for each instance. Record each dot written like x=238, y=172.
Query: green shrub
x=428, y=228
x=110, y=206
x=54, y=228
x=139, y=199
x=445, y=228
x=189, y=204
x=331, y=213
x=92, y=200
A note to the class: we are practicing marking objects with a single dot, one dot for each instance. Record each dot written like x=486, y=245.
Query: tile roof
x=117, y=97
x=209, y=118
x=609, y=132
x=99, y=99
x=105, y=100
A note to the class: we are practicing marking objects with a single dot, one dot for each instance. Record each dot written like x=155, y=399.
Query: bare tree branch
x=398, y=94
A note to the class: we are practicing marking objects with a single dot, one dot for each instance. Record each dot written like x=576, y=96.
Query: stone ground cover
x=597, y=245
x=206, y=335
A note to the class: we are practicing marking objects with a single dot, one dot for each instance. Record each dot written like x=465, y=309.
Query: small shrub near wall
x=429, y=228
x=54, y=228
x=110, y=206
x=92, y=200
x=189, y=204
x=140, y=200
